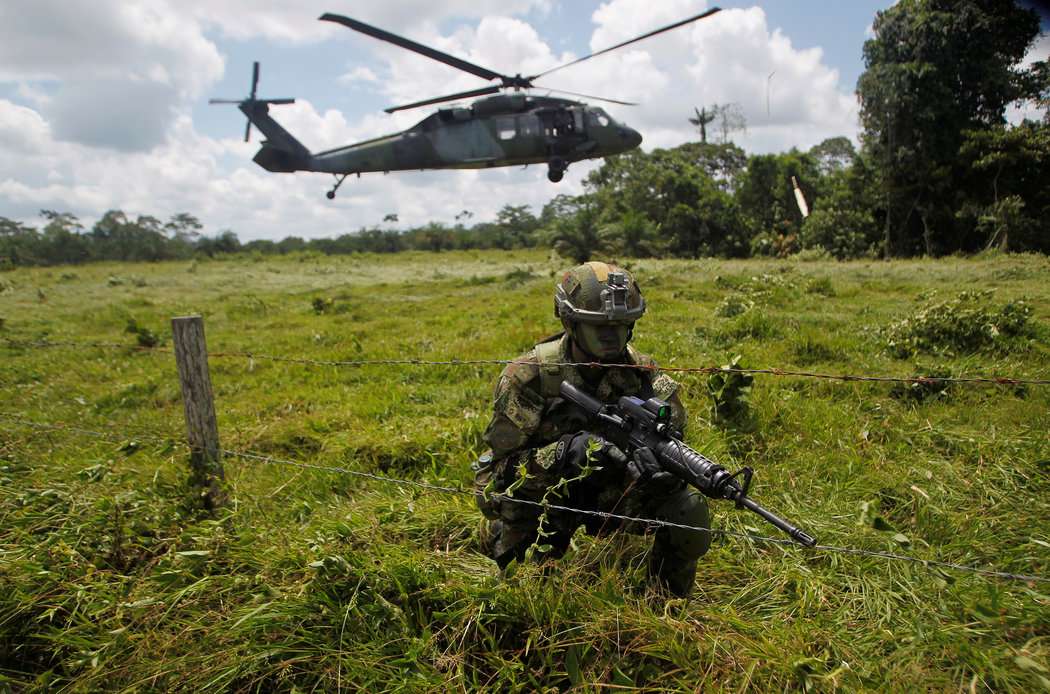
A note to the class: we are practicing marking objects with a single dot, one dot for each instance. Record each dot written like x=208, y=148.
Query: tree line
x=939, y=171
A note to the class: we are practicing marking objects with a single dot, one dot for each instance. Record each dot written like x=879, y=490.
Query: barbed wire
x=357, y=363
x=648, y=522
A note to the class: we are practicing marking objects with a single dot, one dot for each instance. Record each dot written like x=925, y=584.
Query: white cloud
x=358, y=74
x=119, y=70
x=291, y=20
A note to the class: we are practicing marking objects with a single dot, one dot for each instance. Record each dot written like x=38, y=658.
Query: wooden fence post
x=202, y=430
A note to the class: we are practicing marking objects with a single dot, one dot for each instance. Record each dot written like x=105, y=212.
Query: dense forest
x=939, y=171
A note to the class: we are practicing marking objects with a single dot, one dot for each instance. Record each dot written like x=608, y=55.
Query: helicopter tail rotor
x=251, y=102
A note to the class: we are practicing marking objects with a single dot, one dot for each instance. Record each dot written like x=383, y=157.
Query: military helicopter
x=498, y=130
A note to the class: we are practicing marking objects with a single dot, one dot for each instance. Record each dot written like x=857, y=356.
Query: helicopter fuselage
x=504, y=130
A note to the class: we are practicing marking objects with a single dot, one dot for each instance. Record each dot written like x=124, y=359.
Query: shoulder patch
x=664, y=386
x=523, y=369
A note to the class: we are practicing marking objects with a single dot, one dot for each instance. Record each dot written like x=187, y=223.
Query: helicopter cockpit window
x=505, y=128
x=597, y=117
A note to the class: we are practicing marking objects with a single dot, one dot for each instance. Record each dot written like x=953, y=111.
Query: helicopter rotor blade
x=695, y=18
x=588, y=96
x=255, y=78
x=451, y=97
x=431, y=53
x=247, y=131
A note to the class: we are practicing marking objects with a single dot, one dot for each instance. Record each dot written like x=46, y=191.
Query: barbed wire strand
x=649, y=522
x=357, y=363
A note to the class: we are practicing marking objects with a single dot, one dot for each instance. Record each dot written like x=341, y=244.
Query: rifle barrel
x=795, y=533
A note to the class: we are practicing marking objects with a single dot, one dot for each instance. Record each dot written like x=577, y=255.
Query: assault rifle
x=635, y=423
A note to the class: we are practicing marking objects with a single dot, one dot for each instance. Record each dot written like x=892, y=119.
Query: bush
x=322, y=304
x=820, y=285
x=733, y=305
x=965, y=324
x=143, y=335
x=921, y=390
x=730, y=393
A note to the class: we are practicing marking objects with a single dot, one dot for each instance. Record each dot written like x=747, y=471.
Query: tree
x=843, y=220
x=730, y=119
x=935, y=70
x=1008, y=200
x=703, y=117
x=517, y=224
x=833, y=154
x=766, y=196
x=574, y=231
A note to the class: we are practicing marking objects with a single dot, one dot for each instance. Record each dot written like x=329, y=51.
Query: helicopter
x=498, y=129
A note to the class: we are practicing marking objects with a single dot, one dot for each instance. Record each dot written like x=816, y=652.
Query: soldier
x=538, y=439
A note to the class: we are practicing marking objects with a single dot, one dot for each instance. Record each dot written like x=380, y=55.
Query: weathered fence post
x=202, y=430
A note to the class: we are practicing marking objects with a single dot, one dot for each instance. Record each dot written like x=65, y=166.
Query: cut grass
x=318, y=581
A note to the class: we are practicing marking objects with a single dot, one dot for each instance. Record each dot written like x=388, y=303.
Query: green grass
x=318, y=581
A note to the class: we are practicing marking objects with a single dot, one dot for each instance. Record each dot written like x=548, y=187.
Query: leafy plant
x=143, y=335
x=322, y=304
x=968, y=323
x=733, y=305
x=730, y=392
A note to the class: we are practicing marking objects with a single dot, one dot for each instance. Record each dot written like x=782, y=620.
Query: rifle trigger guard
x=746, y=473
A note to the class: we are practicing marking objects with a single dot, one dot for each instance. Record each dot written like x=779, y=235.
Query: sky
x=103, y=103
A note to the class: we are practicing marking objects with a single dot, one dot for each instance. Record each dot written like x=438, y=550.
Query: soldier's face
x=605, y=341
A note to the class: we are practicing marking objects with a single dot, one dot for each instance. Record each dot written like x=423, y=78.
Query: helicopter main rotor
x=515, y=82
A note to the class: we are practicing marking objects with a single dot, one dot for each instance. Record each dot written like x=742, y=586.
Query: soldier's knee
x=687, y=507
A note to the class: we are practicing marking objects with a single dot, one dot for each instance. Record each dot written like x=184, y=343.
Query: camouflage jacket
x=530, y=415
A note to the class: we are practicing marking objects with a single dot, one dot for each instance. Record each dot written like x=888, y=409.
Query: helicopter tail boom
x=280, y=152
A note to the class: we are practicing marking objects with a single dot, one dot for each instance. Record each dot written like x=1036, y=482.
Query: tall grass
x=115, y=580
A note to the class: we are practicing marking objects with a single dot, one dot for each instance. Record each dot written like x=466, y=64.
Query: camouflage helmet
x=598, y=293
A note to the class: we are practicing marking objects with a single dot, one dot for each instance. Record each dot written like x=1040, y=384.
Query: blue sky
x=103, y=103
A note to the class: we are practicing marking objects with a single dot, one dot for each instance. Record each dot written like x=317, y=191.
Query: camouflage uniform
x=530, y=417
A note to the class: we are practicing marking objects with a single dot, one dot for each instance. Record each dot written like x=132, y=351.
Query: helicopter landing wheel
x=556, y=170
x=339, y=181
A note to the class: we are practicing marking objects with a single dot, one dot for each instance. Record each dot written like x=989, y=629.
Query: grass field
x=113, y=579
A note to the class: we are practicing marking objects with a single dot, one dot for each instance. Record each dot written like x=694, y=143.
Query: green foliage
x=964, y=324
x=766, y=196
x=936, y=72
x=733, y=305
x=730, y=393
x=143, y=335
x=821, y=286
x=322, y=304
x=925, y=389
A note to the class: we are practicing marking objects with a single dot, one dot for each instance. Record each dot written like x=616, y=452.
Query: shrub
x=730, y=393
x=820, y=285
x=733, y=305
x=921, y=390
x=144, y=336
x=966, y=324
x=322, y=304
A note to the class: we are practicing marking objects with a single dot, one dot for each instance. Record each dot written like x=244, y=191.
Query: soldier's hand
x=648, y=475
x=572, y=451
